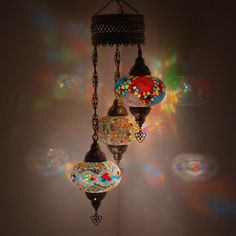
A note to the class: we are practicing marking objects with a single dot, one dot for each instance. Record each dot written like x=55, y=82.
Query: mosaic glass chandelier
x=96, y=175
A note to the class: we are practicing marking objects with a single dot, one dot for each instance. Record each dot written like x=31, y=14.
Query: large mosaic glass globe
x=96, y=177
x=140, y=91
x=117, y=130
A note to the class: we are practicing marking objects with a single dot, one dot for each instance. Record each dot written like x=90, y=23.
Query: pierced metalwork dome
x=119, y=29
x=126, y=29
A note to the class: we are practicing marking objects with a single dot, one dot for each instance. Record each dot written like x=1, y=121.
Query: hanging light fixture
x=140, y=91
x=95, y=175
x=117, y=129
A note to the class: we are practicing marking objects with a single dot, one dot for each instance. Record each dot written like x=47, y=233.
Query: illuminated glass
x=96, y=177
x=117, y=130
x=140, y=91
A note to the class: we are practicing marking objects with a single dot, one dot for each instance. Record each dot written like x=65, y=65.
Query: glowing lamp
x=117, y=130
x=96, y=177
x=140, y=91
x=96, y=174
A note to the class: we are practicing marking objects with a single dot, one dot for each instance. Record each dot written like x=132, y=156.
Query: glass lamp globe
x=96, y=174
x=140, y=91
x=96, y=177
x=117, y=130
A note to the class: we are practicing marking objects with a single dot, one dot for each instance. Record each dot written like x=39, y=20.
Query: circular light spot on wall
x=194, y=167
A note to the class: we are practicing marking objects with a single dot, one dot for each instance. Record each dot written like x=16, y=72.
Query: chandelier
x=139, y=91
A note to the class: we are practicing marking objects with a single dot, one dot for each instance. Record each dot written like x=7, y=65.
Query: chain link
x=120, y=8
x=117, y=63
x=95, y=94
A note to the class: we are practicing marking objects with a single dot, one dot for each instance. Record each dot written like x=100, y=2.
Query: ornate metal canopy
x=118, y=29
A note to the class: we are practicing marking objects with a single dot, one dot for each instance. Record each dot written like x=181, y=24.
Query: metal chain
x=105, y=6
x=130, y=6
x=95, y=94
x=117, y=63
x=140, y=53
x=120, y=8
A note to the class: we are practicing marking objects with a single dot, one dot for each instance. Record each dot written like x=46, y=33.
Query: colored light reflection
x=43, y=17
x=66, y=86
x=65, y=48
x=181, y=88
x=63, y=87
x=222, y=208
x=47, y=162
x=214, y=198
x=173, y=77
x=155, y=127
x=169, y=104
x=193, y=92
x=68, y=167
x=42, y=103
x=170, y=71
x=153, y=174
x=194, y=167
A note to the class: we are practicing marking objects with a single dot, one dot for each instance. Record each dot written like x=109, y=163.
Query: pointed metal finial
x=140, y=136
x=96, y=219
